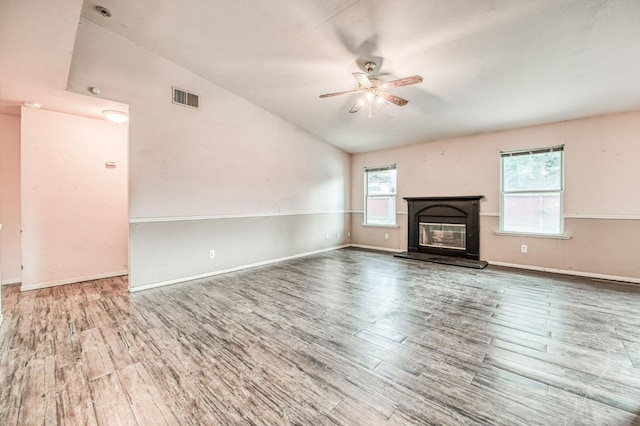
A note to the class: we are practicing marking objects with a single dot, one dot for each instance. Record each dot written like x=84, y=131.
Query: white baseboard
x=392, y=250
x=226, y=271
x=74, y=280
x=8, y=282
x=282, y=259
x=628, y=280
x=568, y=272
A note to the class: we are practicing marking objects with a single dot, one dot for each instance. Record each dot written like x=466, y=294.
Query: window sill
x=373, y=225
x=523, y=234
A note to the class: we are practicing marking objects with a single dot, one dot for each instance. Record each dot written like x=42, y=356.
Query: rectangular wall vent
x=184, y=98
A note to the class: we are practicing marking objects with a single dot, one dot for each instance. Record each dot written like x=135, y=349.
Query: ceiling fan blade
x=356, y=107
x=327, y=95
x=414, y=79
x=394, y=99
x=363, y=80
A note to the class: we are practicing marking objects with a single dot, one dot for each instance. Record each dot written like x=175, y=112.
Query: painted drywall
x=10, y=198
x=602, y=197
x=74, y=207
x=36, y=42
x=246, y=239
x=227, y=163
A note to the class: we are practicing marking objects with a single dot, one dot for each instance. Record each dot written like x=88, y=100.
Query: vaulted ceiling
x=487, y=64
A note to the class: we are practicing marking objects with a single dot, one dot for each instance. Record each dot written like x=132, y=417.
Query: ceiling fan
x=375, y=91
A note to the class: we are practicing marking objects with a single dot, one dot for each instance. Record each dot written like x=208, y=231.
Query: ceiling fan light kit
x=375, y=92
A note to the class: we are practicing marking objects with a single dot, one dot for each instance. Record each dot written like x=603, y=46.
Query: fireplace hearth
x=445, y=230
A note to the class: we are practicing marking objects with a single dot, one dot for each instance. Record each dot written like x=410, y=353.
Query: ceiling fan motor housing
x=370, y=66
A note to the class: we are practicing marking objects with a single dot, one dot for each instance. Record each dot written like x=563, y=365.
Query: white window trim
x=366, y=196
x=525, y=234
x=559, y=235
x=375, y=225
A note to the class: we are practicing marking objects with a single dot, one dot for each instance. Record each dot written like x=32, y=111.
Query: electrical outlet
x=386, y=236
x=348, y=233
x=212, y=254
x=523, y=248
x=326, y=236
x=337, y=235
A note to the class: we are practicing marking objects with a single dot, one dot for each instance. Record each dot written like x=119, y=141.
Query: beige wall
x=74, y=207
x=10, y=198
x=602, y=199
x=229, y=176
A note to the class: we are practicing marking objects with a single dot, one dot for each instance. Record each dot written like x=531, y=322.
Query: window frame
x=367, y=170
x=560, y=192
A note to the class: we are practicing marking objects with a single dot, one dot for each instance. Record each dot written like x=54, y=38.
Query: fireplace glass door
x=443, y=235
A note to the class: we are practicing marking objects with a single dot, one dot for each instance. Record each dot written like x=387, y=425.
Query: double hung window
x=532, y=191
x=380, y=195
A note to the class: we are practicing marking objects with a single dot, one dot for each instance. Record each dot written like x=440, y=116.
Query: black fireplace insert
x=445, y=226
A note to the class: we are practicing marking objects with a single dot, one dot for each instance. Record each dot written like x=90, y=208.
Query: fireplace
x=446, y=229
x=443, y=235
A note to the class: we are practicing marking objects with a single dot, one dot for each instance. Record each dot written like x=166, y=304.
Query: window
x=532, y=191
x=380, y=195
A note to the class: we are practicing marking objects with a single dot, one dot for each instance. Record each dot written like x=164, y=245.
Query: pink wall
x=10, y=198
x=74, y=208
x=602, y=199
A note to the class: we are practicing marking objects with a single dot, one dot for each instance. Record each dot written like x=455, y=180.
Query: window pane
x=381, y=183
x=380, y=197
x=532, y=172
x=532, y=213
x=381, y=210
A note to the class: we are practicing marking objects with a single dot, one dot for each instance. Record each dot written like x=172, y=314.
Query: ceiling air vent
x=184, y=98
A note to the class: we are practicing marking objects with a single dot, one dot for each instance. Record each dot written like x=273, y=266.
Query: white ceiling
x=36, y=47
x=487, y=64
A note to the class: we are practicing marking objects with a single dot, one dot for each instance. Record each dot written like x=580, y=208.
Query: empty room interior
x=344, y=212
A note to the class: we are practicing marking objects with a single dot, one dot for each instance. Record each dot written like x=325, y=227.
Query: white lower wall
x=164, y=252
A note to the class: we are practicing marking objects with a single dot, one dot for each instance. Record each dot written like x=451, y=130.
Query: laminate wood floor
x=348, y=337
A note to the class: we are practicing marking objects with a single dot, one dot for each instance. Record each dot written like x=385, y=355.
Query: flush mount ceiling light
x=118, y=117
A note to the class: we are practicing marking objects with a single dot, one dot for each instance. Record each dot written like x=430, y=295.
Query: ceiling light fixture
x=371, y=98
x=118, y=117
x=375, y=91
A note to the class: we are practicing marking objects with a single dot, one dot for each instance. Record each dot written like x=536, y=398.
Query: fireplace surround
x=445, y=230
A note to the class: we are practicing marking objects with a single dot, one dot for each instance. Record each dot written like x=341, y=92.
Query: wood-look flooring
x=348, y=337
